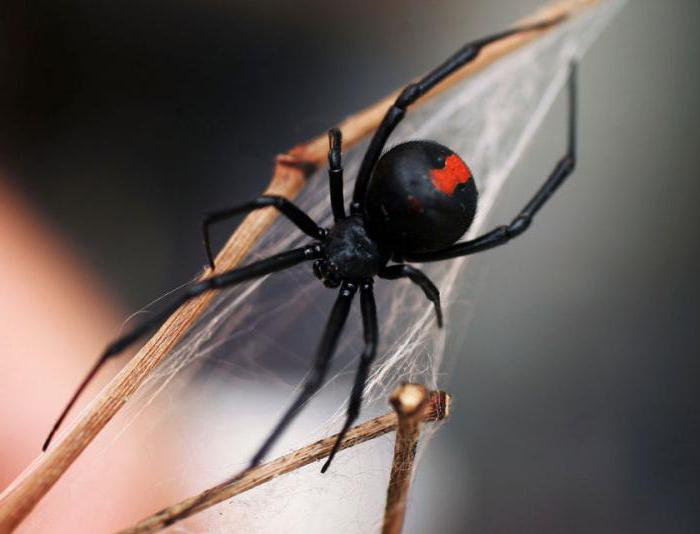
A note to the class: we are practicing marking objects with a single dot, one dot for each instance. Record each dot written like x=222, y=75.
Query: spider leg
x=394, y=272
x=285, y=207
x=314, y=381
x=503, y=234
x=371, y=334
x=335, y=173
x=257, y=269
x=414, y=91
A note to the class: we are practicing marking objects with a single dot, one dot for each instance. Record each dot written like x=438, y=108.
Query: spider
x=410, y=204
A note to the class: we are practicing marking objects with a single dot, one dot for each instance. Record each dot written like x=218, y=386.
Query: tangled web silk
x=251, y=349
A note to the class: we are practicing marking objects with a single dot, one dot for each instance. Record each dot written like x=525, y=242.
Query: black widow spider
x=411, y=204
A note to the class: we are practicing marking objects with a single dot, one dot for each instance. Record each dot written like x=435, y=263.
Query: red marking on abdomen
x=454, y=172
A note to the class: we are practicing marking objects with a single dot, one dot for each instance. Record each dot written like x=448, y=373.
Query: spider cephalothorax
x=421, y=197
x=349, y=253
x=411, y=204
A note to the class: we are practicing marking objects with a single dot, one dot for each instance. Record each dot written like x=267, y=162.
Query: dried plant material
x=434, y=407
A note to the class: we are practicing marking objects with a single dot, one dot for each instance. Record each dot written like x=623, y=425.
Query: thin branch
x=291, y=169
x=435, y=410
x=409, y=402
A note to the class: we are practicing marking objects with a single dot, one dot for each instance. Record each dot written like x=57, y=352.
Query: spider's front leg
x=287, y=208
x=230, y=278
x=335, y=173
x=314, y=381
x=371, y=335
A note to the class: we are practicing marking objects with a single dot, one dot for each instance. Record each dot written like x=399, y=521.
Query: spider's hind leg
x=412, y=92
x=371, y=334
x=503, y=234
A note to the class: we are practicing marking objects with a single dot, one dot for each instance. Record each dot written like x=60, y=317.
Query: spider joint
x=518, y=226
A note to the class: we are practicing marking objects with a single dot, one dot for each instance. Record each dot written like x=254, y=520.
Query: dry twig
x=409, y=402
x=290, y=171
x=435, y=409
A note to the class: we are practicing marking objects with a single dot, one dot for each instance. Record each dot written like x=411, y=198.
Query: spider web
x=251, y=350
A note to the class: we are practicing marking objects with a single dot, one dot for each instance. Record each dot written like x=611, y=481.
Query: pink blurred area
x=55, y=316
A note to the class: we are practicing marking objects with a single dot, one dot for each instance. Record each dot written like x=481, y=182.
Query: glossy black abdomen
x=421, y=197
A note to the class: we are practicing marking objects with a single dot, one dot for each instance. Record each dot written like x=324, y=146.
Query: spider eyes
x=327, y=272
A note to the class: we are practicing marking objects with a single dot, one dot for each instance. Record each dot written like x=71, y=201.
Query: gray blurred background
x=124, y=122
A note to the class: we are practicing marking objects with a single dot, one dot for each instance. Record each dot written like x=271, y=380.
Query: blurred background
x=121, y=123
